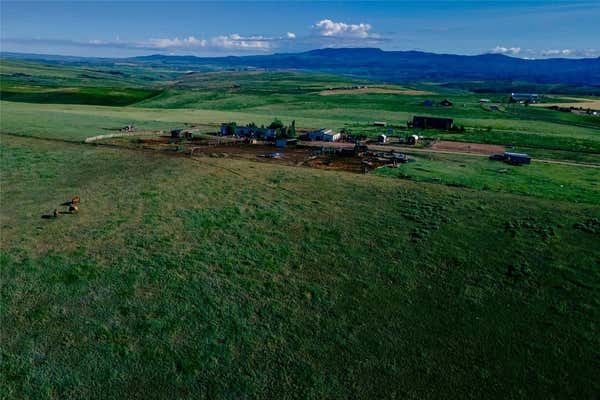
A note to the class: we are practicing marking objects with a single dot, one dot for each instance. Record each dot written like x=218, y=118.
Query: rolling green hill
x=451, y=276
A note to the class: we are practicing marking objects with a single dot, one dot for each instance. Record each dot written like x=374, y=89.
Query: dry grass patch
x=577, y=102
x=408, y=92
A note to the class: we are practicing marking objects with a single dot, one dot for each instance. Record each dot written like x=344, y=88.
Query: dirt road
x=410, y=149
x=122, y=134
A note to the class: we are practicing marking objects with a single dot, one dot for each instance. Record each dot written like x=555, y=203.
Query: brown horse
x=76, y=200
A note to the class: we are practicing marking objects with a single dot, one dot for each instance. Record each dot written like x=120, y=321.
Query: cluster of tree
x=230, y=126
x=282, y=131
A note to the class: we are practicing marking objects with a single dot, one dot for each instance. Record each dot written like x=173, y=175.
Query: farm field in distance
x=200, y=267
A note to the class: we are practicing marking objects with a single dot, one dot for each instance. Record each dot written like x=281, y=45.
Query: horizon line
x=300, y=52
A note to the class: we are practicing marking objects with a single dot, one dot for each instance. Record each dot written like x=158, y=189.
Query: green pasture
x=219, y=278
x=547, y=181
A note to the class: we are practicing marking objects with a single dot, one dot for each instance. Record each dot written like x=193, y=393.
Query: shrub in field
x=591, y=225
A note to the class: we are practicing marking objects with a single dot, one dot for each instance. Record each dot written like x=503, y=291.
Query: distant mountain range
x=377, y=64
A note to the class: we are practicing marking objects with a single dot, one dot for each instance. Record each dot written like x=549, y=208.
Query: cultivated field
x=562, y=101
x=226, y=275
x=382, y=90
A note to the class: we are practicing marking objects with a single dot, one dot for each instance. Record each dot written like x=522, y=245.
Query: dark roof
x=519, y=155
x=433, y=118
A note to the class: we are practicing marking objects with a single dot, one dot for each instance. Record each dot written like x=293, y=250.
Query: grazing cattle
x=73, y=209
x=55, y=213
x=76, y=200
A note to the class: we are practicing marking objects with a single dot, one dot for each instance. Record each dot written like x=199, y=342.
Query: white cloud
x=291, y=35
x=585, y=53
x=545, y=53
x=506, y=50
x=224, y=42
x=164, y=43
x=329, y=28
x=235, y=41
x=555, y=52
x=98, y=42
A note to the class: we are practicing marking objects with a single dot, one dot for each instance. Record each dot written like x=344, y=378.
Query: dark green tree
x=276, y=124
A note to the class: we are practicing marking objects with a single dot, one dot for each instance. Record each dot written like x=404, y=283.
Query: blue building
x=517, y=158
x=319, y=134
x=283, y=142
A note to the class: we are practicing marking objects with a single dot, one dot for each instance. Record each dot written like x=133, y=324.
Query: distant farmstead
x=524, y=98
x=517, y=158
x=320, y=134
x=331, y=136
x=443, y=124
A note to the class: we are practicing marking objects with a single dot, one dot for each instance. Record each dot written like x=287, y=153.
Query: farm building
x=227, y=128
x=517, y=158
x=331, y=136
x=428, y=103
x=283, y=142
x=176, y=134
x=446, y=103
x=270, y=133
x=382, y=139
x=242, y=130
x=484, y=100
x=524, y=98
x=318, y=134
x=443, y=124
x=413, y=139
x=379, y=123
x=128, y=128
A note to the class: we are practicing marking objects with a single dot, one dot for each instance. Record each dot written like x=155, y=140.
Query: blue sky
x=531, y=29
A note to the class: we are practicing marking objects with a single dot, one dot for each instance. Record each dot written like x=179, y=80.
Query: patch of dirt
x=408, y=92
x=308, y=156
x=466, y=147
x=296, y=156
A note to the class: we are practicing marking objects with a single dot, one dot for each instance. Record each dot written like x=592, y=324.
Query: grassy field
x=228, y=279
x=220, y=278
x=548, y=181
x=29, y=73
x=261, y=96
x=22, y=117
x=78, y=95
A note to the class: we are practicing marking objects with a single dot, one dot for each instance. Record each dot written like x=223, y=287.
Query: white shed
x=331, y=136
